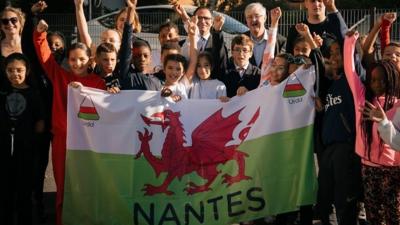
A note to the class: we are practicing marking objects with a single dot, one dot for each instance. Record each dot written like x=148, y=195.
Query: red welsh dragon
x=208, y=150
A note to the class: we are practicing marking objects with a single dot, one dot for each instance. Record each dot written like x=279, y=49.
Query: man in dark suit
x=210, y=37
x=256, y=16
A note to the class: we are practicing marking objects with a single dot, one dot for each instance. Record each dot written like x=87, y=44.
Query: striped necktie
x=201, y=44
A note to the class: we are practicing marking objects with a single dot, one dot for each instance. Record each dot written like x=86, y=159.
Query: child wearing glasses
x=241, y=76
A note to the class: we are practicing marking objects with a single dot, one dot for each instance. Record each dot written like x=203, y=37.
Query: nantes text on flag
x=138, y=158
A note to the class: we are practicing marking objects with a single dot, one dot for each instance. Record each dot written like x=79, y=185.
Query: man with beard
x=256, y=16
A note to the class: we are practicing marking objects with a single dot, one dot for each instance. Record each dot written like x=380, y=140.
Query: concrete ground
x=49, y=198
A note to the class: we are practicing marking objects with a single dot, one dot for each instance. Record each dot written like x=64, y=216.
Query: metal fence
x=363, y=18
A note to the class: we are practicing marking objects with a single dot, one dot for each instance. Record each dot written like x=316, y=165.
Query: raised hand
x=219, y=21
x=391, y=17
x=131, y=3
x=275, y=13
x=42, y=26
x=318, y=39
x=180, y=11
x=330, y=5
x=302, y=29
x=192, y=26
x=38, y=7
x=352, y=33
x=373, y=113
x=78, y=2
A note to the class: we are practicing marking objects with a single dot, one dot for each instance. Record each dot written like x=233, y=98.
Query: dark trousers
x=16, y=204
x=40, y=164
x=339, y=181
x=306, y=216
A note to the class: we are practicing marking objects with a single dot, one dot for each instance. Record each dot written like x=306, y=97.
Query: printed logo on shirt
x=15, y=104
x=332, y=100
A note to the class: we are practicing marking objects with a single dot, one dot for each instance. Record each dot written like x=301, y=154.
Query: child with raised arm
x=176, y=67
x=197, y=79
x=380, y=163
x=269, y=51
x=108, y=36
x=135, y=77
x=389, y=50
x=339, y=175
x=78, y=60
x=388, y=129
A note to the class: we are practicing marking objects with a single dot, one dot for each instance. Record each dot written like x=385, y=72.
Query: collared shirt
x=202, y=41
x=242, y=69
x=259, y=46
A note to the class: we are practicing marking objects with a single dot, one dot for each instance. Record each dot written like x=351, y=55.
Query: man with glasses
x=210, y=38
x=256, y=16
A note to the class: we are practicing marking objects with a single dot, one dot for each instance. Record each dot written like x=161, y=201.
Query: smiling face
x=173, y=70
x=377, y=82
x=336, y=59
x=392, y=53
x=255, y=20
x=56, y=43
x=205, y=21
x=203, y=68
x=16, y=73
x=278, y=70
x=10, y=23
x=241, y=54
x=78, y=61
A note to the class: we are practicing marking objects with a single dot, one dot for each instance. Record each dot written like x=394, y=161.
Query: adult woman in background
x=16, y=37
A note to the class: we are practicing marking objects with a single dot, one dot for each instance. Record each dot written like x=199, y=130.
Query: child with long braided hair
x=380, y=163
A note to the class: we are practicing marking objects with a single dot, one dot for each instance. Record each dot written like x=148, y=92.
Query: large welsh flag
x=138, y=158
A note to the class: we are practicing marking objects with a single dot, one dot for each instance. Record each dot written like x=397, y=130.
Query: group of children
x=356, y=147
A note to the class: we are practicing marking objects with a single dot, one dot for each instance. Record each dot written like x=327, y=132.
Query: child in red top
x=78, y=58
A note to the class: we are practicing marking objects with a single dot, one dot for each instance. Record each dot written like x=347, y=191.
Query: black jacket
x=232, y=79
x=216, y=47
